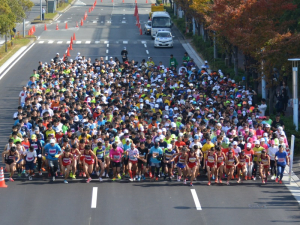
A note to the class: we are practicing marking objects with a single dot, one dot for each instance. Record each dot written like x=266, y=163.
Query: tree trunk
x=235, y=60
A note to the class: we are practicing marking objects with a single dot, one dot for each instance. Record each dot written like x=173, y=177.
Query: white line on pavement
x=147, y=52
x=106, y=57
x=50, y=42
x=107, y=45
x=94, y=198
x=97, y=42
x=68, y=42
x=106, y=42
x=59, y=42
x=106, y=51
x=78, y=42
x=41, y=42
x=21, y=49
x=38, y=38
x=88, y=42
x=145, y=45
x=196, y=200
x=144, y=42
x=125, y=42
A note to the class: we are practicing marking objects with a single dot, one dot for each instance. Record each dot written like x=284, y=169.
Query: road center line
x=145, y=45
x=147, y=52
x=107, y=45
x=196, y=199
x=106, y=51
x=94, y=197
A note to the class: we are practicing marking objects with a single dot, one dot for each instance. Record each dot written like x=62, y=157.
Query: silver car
x=147, y=28
x=163, y=39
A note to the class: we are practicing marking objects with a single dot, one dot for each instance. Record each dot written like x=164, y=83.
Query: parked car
x=147, y=28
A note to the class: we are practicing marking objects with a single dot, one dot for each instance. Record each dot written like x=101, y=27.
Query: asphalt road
x=35, y=202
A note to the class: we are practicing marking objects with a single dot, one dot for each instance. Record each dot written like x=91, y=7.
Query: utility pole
x=295, y=90
x=41, y=8
x=24, y=27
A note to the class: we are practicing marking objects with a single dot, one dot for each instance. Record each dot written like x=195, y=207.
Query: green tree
x=19, y=8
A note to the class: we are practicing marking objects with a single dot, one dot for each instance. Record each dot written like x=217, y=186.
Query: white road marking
x=58, y=21
x=38, y=38
x=145, y=45
x=101, y=9
x=97, y=42
x=144, y=42
x=117, y=42
x=15, y=61
x=106, y=57
x=68, y=42
x=196, y=199
x=123, y=18
x=78, y=42
x=88, y=42
x=106, y=51
x=123, y=21
x=102, y=22
x=147, y=52
x=106, y=42
x=107, y=45
x=125, y=42
x=94, y=197
x=94, y=21
x=50, y=42
x=59, y=42
x=41, y=42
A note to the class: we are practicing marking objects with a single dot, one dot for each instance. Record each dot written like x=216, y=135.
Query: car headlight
x=157, y=39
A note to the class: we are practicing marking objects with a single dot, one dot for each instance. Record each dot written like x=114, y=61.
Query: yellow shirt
x=257, y=151
x=87, y=137
x=206, y=147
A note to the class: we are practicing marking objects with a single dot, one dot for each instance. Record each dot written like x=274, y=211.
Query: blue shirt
x=155, y=150
x=52, y=151
x=281, y=158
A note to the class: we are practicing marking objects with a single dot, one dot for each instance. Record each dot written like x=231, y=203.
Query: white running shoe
x=103, y=174
x=100, y=179
x=98, y=173
x=53, y=178
x=40, y=174
x=26, y=174
x=30, y=178
x=184, y=182
x=254, y=178
x=131, y=179
x=107, y=175
x=273, y=177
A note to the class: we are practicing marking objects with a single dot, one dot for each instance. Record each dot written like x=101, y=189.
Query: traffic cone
x=141, y=32
x=29, y=32
x=123, y=1
x=2, y=181
x=77, y=24
x=57, y=26
x=71, y=42
x=74, y=37
x=112, y=0
x=85, y=16
x=71, y=48
x=139, y=25
x=146, y=1
x=33, y=29
x=135, y=1
x=68, y=52
x=45, y=28
x=101, y=0
x=66, y=26
x=135, y=10
x=64, y=57
x=89, y=10
x=81, y=23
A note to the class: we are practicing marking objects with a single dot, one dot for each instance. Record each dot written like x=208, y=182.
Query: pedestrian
x=173, y=62
x=282, y=160
x=43, y=13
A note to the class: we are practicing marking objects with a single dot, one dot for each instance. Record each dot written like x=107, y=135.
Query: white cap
x=173, y=125
x=268, y=125
x=52, y=141
x=164, y=129
x=257, y=142
x=169, y=146
x=265, y=134
x=234, y=143
x=127, y=139
x=175, y=108
x=262, y=140
x=282, y=133
x=125, y=131
x=249, y=145
x=159, y=131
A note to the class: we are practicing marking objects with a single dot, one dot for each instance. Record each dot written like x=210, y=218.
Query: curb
x=9, y=61
x=67, y=7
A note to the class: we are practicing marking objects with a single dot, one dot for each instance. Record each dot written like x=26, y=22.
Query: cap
x=169, y=146
x=52, y=141
x=262, y=140
x=249, y=145
x=234, y=143
x=257, y=142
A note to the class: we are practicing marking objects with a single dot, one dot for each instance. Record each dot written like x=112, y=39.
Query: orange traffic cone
x=123, y=1
x=77, y=24
x=33, y=29
x=146, y=1
x=66, y=26
x=101, y=0
x=74, y=37
x=139, y=25
x=2, y=181
x=71, y=48
x=89, y=10
x=45, y=28
x=68, y=52
x=81, y=23
x=71, y=42
x=135, y=1
x=57, y=26
x=85, y=16
x=29, y=32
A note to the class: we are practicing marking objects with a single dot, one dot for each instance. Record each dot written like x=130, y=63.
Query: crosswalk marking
x=125, y=42
x=68, y=42
x=78, y=42
x=88, y=42
x=50, y=42
x=97, y=42
x=106, y=42
x=59, y=42
x=41, y=42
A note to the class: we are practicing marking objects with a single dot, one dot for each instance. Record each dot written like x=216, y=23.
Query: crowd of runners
x=137, y=121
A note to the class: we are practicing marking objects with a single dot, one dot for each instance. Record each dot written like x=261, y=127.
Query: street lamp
x=295, y=90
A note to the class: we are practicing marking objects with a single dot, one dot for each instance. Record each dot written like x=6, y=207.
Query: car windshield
x=161, y=22
x=149, y=23
x=163, y=35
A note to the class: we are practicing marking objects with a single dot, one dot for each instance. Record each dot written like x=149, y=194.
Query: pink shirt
x=259, y=134
x=116, y=155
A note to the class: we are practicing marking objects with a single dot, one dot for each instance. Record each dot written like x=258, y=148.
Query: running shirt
x=192, y=159
x=220, y=158
x=66, y=160
x=133, y=154
x=265, y=160
x=249, y=153
x=211, y=157
x=169, y=154
x=52, y=151
x=230, y=161
x=87, y=156
x=116, y=155
x=181, y=159
x=30, y=156
x=100, y=152
x=281, y=158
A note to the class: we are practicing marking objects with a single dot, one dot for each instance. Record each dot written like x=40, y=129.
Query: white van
x=161, y=21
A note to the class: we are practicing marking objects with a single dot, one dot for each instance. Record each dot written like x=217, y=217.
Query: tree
x=7, y=17
x=19, y=8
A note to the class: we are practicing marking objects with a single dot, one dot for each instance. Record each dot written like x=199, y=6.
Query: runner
x=264, y=166
x=156, y=154
x=99, y=151
x=230, y=166
x=241, y=167
x=133, y=155
x=52, y=151
x=76, y=155
x=115, y=156
x=65, y=161
x=211, y=162
x=281, y=162
x=249, y=162
x=182, y=164
x=30, y=158
x=220, y=165
x=192, y=164
x=142, y=162
x=88, y=162
x=169, y=161
x=10, y=157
